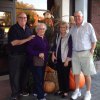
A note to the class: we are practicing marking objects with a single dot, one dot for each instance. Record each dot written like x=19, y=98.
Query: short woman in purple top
x=39, y=47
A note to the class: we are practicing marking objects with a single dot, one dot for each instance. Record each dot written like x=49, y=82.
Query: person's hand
x=41, y=55
x=92, y=51
x=30, y=37
x=66, y=63
x=53, y=57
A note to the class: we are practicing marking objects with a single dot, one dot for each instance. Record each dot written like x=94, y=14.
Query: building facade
x=94, y=17
x=90, y=9
x=61, y=10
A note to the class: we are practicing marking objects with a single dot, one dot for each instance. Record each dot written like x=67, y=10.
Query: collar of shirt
x=81, y=24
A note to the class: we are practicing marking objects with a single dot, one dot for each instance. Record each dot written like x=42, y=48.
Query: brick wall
x=95, y=16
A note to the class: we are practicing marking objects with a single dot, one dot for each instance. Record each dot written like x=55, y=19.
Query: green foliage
x=97, y=51
x=32, y=20
x=24, y=7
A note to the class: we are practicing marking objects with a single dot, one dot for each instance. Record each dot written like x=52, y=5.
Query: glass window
x=39, y=5
x=5, y=23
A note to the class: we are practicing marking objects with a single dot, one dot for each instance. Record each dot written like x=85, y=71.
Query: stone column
x=65, y=10
x=62, y=9
x=83, y=6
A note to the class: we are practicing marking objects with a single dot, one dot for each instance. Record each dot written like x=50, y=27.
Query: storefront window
x=5, y=23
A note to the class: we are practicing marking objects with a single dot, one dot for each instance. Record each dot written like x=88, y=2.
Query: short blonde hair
x=64, y=23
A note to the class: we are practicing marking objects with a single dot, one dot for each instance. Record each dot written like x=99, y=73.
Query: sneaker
x=76, y=94
x=24, y=94
x=34, y=94
x=42, y=99
x=45, y=94
x=87, y=96
x=13, y=98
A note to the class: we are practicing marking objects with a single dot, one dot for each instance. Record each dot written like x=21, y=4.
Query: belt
x=17, y=53
x=81, y=50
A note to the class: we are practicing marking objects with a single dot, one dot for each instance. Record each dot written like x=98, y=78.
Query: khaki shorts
x=83, y=61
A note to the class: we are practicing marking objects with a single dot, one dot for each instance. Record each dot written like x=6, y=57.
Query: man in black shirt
x=18, y=36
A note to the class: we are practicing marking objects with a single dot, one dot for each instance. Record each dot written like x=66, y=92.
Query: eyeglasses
x=77, y=16
x=22, y=17
x=41, y=28
x=62, y=27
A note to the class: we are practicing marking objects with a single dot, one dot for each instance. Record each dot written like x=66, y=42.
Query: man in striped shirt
x=84, y=43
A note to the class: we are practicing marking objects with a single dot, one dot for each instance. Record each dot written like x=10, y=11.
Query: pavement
x=95, y=89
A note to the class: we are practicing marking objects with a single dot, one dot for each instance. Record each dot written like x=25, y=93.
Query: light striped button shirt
x=83, y=36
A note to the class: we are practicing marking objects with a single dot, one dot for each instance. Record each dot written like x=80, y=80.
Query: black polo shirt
x=17, y=33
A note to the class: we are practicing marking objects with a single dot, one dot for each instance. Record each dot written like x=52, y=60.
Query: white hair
x=39, y=25
x=79, y=12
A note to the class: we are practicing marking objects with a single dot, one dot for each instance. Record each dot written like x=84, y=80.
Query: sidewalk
x=95, y=90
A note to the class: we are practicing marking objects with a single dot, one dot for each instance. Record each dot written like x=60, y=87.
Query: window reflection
x=5, y=18
x=5, y=23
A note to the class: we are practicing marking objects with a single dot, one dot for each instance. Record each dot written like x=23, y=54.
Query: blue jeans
x=38, y=75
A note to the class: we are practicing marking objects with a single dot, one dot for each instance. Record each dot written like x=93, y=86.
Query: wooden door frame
x=89, y=10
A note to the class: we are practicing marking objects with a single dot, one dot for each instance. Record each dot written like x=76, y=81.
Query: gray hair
x=80, y=12
x=39, y=25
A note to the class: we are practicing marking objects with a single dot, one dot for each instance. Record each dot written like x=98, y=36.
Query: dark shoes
x=18, y=96
x=13, y=98
x=58, y=93
x=64, y=95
